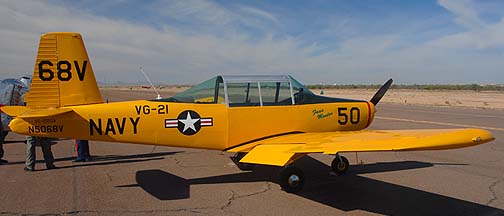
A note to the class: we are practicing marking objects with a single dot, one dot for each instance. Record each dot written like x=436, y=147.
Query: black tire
x=340, y=166
x=292, y=179
x=242, y=166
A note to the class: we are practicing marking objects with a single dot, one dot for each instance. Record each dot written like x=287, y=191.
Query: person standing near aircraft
x=11, y=93
x=31, y=158
x=2, y=161
x=82, y=151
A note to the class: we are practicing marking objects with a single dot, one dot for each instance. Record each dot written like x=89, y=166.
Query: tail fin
x=63, y=75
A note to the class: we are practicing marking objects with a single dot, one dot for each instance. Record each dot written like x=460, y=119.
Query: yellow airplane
x=269, y=120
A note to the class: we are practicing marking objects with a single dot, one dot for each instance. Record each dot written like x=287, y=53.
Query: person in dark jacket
x=2, y=161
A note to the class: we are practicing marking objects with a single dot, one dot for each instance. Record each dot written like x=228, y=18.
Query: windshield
x=297, y=86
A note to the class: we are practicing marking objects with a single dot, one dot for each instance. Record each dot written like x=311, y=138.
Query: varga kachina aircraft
x=269, y=120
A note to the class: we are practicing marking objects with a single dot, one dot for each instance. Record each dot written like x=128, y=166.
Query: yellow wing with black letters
x=284, y=149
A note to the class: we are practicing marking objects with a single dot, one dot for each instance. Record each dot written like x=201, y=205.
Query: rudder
x=63, y=75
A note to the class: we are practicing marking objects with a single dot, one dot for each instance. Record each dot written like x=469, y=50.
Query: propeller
x=381, y=92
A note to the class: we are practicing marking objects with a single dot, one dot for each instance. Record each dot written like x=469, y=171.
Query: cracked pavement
x=492, y=188
x=131, y=179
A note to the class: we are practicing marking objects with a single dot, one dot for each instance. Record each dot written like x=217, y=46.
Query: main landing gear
x=292, y=179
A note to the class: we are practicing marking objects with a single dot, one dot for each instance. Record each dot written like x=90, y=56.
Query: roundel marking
x=188, y=122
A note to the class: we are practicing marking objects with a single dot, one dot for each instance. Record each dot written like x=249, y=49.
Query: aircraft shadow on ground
x=14, y=142
x=53, y=141
x=347, y=193
x=108, y=159
x=120, y=159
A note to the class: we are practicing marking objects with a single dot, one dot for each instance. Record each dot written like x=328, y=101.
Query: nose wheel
x=340, y=164
x=292, y=179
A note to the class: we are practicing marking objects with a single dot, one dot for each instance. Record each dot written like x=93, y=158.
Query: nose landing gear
x=340, y=164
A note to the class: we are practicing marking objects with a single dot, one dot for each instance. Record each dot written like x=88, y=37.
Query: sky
x=318, y=41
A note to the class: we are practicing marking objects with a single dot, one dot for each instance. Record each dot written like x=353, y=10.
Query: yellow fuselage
x=217, y=127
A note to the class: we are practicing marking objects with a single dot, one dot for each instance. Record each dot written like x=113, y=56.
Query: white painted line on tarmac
x=448, y=113
x=439, y=123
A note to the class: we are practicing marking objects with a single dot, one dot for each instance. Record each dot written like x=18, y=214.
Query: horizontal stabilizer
x=25, y=112
x=14, y=111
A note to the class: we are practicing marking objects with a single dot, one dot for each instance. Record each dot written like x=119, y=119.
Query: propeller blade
x=381, y=92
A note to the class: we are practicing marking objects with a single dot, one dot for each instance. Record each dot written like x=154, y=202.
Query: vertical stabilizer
x=63, y=75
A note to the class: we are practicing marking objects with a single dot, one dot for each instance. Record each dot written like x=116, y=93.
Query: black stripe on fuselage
x=259, y=139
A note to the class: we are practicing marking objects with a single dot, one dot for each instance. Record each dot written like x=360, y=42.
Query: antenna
x=146, y=77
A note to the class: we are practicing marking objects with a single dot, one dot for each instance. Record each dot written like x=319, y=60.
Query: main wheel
x=340, y=165
x=292, y=179
x=242, y=166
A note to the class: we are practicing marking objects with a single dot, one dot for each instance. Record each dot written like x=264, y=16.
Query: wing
x=282, y=150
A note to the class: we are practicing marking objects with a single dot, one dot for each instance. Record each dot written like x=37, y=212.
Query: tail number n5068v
x=344, y=115
x=45, y=129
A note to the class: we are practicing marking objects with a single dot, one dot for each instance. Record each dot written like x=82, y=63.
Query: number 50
x=353, y=115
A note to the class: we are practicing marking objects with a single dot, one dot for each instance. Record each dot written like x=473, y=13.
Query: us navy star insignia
x=188, y=122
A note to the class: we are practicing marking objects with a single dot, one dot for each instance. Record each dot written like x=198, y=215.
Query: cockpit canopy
x=237, y=90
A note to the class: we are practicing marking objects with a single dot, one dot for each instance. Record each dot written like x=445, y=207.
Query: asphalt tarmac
x=130, y=179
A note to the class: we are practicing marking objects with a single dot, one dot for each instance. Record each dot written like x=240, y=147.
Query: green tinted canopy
x=237, y=90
